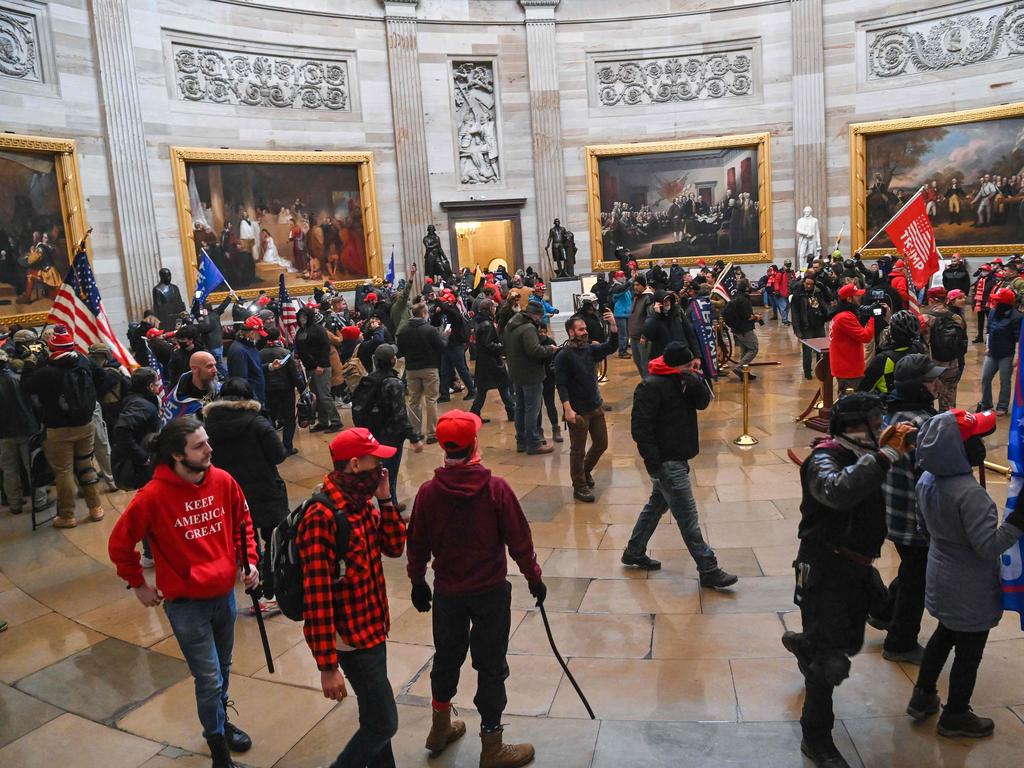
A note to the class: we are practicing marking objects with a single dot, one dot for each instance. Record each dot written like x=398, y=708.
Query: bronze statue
x=561, y=246
x=167, y=303
x=435, y=263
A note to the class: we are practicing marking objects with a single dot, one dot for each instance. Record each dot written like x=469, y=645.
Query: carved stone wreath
x=677, y=78
x=228, y=77
x=18, y=57
x=955, y=41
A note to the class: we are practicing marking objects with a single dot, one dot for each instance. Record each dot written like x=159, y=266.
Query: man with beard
x=955, y=275
x=243, y=359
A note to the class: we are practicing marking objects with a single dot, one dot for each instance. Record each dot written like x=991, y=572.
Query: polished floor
x=676, y=676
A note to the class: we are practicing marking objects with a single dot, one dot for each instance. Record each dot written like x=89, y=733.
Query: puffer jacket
x=129, y=455
x=524, y=352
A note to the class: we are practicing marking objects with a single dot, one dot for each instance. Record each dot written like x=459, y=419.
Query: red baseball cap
x=253, y=323
x=977, y=424
x=900, y=264
x=371, y=296
x=985, y=267
x=350, y=332
x=997, y=260
x=154, y=332
x=356, y=442
x=955, y=294
x=937, y=292
x=850, y=290
x=1003, y=296
x=263, y=300
x=456, y=430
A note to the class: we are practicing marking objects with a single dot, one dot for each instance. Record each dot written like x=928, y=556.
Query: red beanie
x=62, y=340
x=350, y=332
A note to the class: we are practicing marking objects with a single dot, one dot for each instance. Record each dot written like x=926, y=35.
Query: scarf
x=357, y=488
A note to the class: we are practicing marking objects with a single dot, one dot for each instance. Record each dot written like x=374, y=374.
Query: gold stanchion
x=746, y=438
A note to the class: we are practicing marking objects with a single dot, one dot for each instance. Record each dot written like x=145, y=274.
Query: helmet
x=587, y=298
x=904, y=326
x=916, y=367
x=25, y=336
x=854, y=409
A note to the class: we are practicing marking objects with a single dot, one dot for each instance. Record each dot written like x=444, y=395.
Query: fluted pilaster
x=122, y=113
x=809, y=165
x=546, y=117
x=410, y=130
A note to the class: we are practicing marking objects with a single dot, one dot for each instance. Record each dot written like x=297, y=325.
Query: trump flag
x=1012, y=560
x=911, y=232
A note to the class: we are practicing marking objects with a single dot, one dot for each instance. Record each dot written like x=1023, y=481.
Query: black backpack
x=369, y=409
x=948, y=341
x=282, y=577
x=77, y=397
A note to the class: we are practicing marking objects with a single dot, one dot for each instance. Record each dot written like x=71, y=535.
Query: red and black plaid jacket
x=354, y=608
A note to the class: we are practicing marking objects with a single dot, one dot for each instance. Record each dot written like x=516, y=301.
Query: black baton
x=565, y=668
x=256, y=606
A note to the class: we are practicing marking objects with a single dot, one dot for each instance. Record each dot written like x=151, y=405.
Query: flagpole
x=890, y=221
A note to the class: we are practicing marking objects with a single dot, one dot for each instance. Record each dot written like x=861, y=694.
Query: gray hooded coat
x=963, y=589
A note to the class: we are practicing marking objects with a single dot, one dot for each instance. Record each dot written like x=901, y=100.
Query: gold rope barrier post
x=746, y=439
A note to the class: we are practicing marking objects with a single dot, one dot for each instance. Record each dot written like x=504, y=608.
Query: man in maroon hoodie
x=192, y=515
x=464, y=518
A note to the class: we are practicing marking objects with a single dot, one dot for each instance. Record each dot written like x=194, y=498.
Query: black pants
x=281, y=403
x=834, y=601
x=506, y=399
x=549, y=404
x=480, y=624
x=981, y=325
x=969, y=648
x=810, y=357
x=908, y=599
x=366, y=671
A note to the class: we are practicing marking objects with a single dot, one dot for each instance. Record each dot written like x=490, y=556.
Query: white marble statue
x=808, y=237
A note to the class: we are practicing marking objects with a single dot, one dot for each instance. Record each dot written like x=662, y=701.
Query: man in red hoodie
x=464, y=518
x=346, y=602
x=847, y=338
x=192, y=515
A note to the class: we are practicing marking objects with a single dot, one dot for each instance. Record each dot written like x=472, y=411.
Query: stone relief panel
x=989, y=33
x=476, y=121
x=679, y=77
x=19, y=45
x=254, y=79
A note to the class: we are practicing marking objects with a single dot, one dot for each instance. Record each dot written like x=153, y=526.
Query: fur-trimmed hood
x=231, y=405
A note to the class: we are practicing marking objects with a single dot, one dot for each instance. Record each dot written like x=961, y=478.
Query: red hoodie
x=194, y=531
x=464, y=518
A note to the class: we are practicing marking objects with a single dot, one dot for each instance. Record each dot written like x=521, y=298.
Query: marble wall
x=352, y=36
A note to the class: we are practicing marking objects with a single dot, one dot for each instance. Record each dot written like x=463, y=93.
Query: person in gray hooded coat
x=963, y=590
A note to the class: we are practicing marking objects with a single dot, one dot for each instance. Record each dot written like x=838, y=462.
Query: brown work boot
x=96, y=514
x=60, y=521
x=542, y=448
x=444, y=731
x=495, y=754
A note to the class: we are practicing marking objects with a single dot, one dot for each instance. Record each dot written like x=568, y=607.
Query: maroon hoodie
x=464, y=518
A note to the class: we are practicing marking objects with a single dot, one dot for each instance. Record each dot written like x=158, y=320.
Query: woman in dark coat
x=490, y=370
x=130, y=456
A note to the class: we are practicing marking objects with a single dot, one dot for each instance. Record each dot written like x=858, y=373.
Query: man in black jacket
x=740, y=317
x=453, y=358
x=283, y=381
x=808, y=312
x=17, y=424
x=956, y=276
x=664, y=428
x=314, y=351
x=667, y=323
x=422, y=345
x=490, y=363
x=582, y=406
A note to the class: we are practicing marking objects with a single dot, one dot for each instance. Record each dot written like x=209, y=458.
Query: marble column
x=546, y=116
x=809, y=166
x=126, y=139
x=410, y=131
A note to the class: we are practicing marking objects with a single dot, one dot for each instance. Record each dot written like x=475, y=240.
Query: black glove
x=421, y=597
x=538, y=589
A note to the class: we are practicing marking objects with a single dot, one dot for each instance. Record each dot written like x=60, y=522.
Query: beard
x=196, y=466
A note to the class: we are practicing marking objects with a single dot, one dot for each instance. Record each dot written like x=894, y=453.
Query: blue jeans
x=988, y=372
x=218, y=355
x=366, y=671
x=768, y=299
x=392, y=465
x=453, y=360
x=528, y=400
x=205, y=630
x=623, y=325
x=782, y=304
x=672, y=491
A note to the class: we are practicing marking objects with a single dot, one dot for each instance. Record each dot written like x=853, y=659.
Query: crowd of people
x=199, y=431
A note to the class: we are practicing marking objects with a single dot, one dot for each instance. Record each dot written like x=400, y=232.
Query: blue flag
x=700, y=318
x=389, y=276
x=1012, y=561
x=209, y=279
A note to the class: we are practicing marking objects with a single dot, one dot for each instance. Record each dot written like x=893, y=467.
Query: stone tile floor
x=677, y=676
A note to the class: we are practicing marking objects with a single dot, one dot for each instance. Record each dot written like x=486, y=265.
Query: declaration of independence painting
x=972, y=173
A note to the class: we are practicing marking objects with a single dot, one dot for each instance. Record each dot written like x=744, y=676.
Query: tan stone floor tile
x=750, y=491
x=751, y=533
x=567, y=535
x=5, y=583
x=74, y=597
x=772, y=689
x=774, y=473
x=21, y=714
x=626, y=596
x=171, y=717
x=129, y=620
x=768, y=594
x=730, y=459
x=676, y=563
x=898, y=741
x=602, y=514
x=531, y=685
x=721, y=636
x=777, y=560
x=587, y=635
x=789, y=508
x=16, y=607
x=590, y=564
x=665, y=536
x=40, y=642
x=738, y=511
x=92, y=538
x=1007, y=629
x=405, y=662
x=564, y=594
x=70, y=740
x=671, y=690
x=714, y=476
x=181, y=761
x=293, y=666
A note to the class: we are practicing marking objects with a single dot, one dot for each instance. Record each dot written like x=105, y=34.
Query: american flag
x=725, y=286
x=78, y=306
x=289, y=323
x=153, y=363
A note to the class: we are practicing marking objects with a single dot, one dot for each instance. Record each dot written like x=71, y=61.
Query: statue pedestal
x=563, y=291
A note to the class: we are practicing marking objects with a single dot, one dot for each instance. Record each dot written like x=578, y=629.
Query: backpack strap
x=343, y=529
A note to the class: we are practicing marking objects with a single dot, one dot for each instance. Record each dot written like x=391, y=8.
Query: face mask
x=975, y=448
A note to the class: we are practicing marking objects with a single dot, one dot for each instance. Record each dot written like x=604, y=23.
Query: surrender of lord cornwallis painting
x=971, y=165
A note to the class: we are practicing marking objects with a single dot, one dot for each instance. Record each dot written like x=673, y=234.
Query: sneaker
x=583, y=494
x=717, y=579
x=964, y=725
x=146, y=562
x=590, y=479
x=267, y=608
x=824, y=755
x=923, y=704
x=643, y=562
x=318, y=428
x=333, y=428
x=913, y=656
x=96, y=514
x=540, y=449
x=556, y=435
x=64, y=522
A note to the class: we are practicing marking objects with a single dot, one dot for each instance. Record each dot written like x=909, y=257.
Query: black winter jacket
x=737, y=314
x=286, y=377
x=420, y=344
x=129, y=457
x=575, y=377
x=664, y=419
x=312, y=345
x=46, y=385
x=397, y=428
x=490, y=357
x=661, y=329
x=16, y=416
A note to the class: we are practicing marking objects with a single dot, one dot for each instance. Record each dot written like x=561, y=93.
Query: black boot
x=964, y=725
x=219, y=752
x=923, y=704
x=823, y=755
x=237, y=739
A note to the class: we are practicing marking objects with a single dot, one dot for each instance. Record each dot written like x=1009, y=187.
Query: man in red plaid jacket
x=346, y=604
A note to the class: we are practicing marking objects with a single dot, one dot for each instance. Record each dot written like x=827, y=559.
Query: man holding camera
x=739, y=315
x=847, y=337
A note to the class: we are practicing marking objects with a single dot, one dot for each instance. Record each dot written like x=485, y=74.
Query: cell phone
x=877, y=311
x=285, y=359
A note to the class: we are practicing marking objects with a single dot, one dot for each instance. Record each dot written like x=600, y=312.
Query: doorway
x=484, y=233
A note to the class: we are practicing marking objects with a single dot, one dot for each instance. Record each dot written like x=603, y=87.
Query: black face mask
x=975, y=448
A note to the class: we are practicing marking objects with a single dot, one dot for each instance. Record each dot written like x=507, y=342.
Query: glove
x=539, y=590
x=421, y=597
x=900, y=437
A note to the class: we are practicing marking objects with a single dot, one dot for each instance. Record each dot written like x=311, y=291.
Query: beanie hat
x=371, y=296
x=62, y=340
x=385, y=354
x=676, y=354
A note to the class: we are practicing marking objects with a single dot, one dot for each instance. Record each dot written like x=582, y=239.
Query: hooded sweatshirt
x=194, y=530
x=847, y=338
x=962, y=589
x=464, y=518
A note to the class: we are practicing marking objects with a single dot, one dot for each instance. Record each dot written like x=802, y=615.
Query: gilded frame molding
x=180, y=156
x=72, y=201
x=760, y=141
x=859, y=171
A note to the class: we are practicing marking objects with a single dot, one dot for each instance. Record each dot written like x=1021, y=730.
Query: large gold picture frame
x=915, y=129
x=183, y=157
x=760, y=142
x=64, y=155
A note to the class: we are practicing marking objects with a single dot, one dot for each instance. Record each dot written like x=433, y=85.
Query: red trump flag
x=911, y=232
